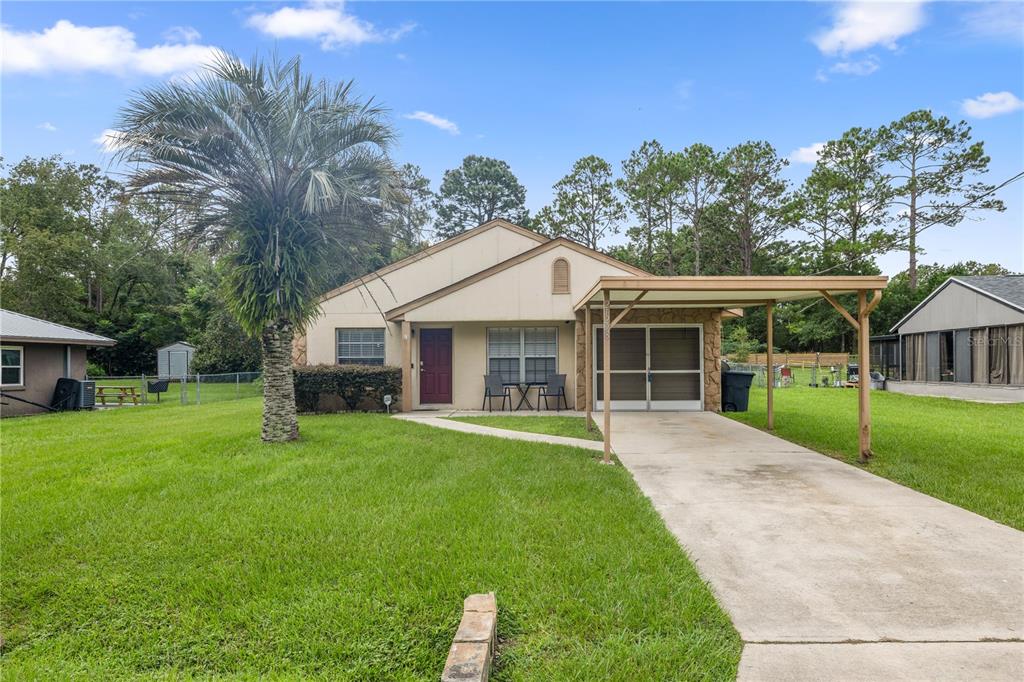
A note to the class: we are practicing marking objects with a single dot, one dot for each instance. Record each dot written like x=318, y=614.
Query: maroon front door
x=436, y=366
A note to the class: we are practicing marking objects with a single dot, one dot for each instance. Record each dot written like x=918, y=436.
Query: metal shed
x=175, y=360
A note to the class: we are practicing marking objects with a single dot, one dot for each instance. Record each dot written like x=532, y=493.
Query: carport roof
x=725, y=292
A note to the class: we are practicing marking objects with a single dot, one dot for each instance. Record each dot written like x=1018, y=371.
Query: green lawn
x=570, y=427
x=143, y=543
x=969, y=454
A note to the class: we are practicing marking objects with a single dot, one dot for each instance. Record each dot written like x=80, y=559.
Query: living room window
x=522, y=353
x=361, y=346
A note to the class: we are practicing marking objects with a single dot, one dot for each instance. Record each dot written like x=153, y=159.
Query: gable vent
x=560, y=276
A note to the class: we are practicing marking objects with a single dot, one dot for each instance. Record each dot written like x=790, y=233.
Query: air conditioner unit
x=86, y=395
x=72, y=394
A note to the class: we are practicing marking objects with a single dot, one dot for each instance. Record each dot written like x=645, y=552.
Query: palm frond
x=286, y=173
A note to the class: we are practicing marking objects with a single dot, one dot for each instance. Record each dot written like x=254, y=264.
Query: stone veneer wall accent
x=711, y=318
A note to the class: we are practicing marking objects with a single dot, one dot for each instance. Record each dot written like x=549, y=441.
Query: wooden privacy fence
x=799, y=359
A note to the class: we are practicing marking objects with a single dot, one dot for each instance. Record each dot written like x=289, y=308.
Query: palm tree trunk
x=279, y=421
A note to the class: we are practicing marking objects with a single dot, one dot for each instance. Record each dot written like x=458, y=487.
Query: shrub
x=738, y=345
x=357, y=386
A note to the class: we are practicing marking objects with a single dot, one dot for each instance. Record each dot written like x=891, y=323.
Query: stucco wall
x=469, y=361
x=43, y=365
x=522, y=292
x=711, y=319
x=957, y=307
x=364, y=306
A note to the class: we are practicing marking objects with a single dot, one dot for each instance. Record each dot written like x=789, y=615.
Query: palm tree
x=282, y=174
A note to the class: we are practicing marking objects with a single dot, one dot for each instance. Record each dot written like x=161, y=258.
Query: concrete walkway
x=440, y=420
x=829, y=572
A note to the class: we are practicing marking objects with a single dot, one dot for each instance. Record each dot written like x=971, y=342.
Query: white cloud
x=808, y=154
x=1000, y=20
x=109, y=141
x=182, y=34
x=436, y=121
x=992, y=104
x=324, y=21
x=859, y=67
x=47, y=126
x=863, y=24
x=108, y=49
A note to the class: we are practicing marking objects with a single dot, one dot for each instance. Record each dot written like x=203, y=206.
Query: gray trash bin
x=736, y=390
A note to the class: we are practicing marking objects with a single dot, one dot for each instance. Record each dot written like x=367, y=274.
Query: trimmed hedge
x=359, y=387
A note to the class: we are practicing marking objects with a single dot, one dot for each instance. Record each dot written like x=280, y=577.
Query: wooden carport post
x=607, y=397
x=609, y=324
x=863, y=326
x=588, y=370
x=770, y=360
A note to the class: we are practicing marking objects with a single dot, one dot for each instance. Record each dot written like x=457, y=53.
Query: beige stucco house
x=503, y=299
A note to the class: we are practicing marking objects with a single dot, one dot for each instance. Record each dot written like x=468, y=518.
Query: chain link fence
x=191, y=389
x=797, y=374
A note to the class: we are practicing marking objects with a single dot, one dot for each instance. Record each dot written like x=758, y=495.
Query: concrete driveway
x=829, y=572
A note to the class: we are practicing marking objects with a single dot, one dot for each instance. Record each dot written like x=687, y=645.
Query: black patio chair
x=493, y=388
x=554, y=388
x=157, y=387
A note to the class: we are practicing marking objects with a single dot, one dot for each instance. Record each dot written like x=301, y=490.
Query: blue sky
x=540, y=84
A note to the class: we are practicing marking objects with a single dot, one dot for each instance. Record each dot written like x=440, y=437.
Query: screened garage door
x=653, y=367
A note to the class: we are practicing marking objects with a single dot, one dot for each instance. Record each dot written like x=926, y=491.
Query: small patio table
x=524, y=391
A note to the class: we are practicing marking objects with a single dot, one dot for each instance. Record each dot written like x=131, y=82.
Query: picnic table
x=118, y=393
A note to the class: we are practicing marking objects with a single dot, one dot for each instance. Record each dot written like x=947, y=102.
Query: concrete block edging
x=469, y=659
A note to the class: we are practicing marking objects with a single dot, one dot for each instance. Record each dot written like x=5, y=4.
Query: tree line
x=252, y=189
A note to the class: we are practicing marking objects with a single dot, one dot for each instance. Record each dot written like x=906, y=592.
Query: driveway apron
x=830, y=572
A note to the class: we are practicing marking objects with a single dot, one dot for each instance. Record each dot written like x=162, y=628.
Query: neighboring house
x=35, y=353
x=175, y=360
x=964, y=340
x=502, y=299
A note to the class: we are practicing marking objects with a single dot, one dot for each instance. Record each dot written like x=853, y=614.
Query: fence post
x=199, y=381
x=184, y=389
x=238, y=389
x=145, y=394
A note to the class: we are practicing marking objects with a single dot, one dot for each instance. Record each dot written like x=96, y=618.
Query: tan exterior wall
x=522, y=292
x=469, y=360
x=365, y=305
x=43, y=365
x=711, y=319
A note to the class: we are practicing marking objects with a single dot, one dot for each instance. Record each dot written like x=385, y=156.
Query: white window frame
x=338, y=355
x=20, y=366
x=522, y=349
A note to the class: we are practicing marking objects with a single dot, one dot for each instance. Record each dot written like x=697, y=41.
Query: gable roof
x=396, y=313
x=433, y=249
x=17, y=327
x=176, y=343
x=1005, y=289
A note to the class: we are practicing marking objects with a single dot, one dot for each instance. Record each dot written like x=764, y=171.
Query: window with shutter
x=560, y=276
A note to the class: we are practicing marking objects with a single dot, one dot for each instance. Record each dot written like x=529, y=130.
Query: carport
x=624, y=294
